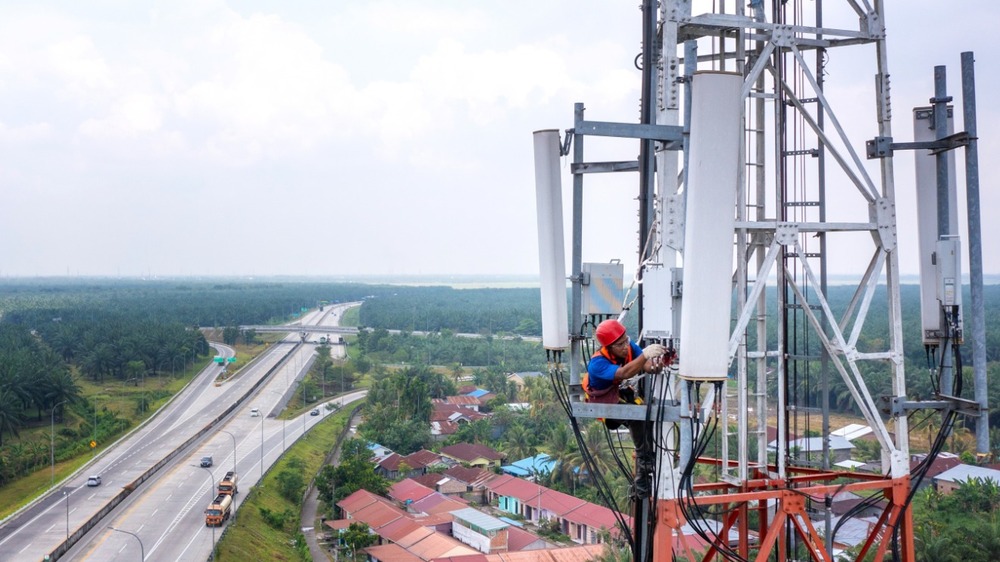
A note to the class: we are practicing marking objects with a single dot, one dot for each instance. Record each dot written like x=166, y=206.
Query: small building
x=473, y=454
x=395, y=467
x=812, y=448
x=949, y=480
x=485, y=533
x=531, y=467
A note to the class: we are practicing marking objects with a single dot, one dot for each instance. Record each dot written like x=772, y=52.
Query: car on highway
x=255, y=413
x=315, y=412
x=94, y=481
x=206, y=461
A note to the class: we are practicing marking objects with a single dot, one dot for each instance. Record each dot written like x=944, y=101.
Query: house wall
x=946, y=488
x=470, y=537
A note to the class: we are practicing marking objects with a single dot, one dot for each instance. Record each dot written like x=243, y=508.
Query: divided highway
x=165, y=511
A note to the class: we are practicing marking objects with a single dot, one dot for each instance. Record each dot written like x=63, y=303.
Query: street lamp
x=66, y=497
x=262, y=449
x=234, y=446
x=52, y=434
x=234, y=468
x=211, y=495
x=280, y=412
x=142, y=549
x=94, y=447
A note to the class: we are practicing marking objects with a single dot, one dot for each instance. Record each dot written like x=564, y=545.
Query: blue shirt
x=601, y=371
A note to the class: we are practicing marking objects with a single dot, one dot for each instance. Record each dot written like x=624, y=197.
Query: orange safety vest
x=607, y=395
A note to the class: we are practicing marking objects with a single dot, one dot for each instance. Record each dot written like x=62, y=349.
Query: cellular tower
x=749, y=186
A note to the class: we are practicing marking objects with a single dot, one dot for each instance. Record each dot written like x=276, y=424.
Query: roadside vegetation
x=266, y=526
x=92, y=359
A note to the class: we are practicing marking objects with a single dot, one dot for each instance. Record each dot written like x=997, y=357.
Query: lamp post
x=94, y=447
x=234, y=468
x=66, y=497
x=234, y=446
x=283, y=420
x=211, y=495
x=142, y=549
x=304, y=405
x=262, y=448
x=52, y=435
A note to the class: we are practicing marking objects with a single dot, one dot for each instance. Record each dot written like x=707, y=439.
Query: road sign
x=219, y=359
x=231, y=360
x=93, y=444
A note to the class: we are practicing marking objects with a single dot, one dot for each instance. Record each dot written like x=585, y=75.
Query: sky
x=339, y=138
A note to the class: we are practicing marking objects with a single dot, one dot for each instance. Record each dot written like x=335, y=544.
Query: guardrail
x=127, y=490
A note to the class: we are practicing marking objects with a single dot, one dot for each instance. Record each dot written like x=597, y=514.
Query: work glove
x=653, y=351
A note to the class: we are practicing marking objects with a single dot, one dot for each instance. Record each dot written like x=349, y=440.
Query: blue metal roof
x=538, y=464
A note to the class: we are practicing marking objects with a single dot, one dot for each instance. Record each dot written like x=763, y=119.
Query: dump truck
x=228, y=485
x=218, y=511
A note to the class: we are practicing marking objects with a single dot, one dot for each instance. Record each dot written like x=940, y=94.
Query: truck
x=227, y=485
x=218, y=511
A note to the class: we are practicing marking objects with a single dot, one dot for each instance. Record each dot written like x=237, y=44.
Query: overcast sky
x=214, y=137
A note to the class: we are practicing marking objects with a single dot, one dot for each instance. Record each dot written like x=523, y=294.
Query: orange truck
x=218, y=511
x=228, y=485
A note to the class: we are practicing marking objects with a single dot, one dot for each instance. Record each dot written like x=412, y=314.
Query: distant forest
x=120, y=329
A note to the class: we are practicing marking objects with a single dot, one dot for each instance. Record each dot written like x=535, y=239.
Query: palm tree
x=562, y=448
x=520, y=443
x=11, y=418
x=932, y=545
x=596, y=440
x=61, y=386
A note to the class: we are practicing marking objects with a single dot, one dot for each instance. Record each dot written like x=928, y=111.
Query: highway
x=165, y=512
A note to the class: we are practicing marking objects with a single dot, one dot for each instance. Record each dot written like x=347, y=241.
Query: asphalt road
x=165, y=513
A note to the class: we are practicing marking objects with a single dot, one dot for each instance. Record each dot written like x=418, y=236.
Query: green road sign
x=231, y=360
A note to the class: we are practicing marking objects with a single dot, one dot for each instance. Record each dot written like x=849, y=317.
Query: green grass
x=249, y=537
x=73, y=435
x=351, y=316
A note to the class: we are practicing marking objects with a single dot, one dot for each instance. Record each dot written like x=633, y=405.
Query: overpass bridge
x=308, y=329
x=353, y=331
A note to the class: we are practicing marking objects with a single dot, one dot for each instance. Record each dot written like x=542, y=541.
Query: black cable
x=604, y=491
x=692, y=511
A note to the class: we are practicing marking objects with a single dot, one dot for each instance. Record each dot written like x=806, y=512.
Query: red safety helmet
x=609, y=331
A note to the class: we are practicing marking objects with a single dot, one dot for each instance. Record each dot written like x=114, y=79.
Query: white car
x=94, y=481
x=254, y=413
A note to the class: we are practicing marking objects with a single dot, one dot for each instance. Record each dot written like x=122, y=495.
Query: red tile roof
x=408, y=490
x=338, y=524
x=583, y=553
x=391, y=463
x=438, y=545
x=359, y=500
x=368, y=508
x=438, y=503
x=400, y=528
x=391, y=553
x=518, y=538
x=424, y=458
x=595, y=516
x=443, y=428
x=476, y=477
x=558, y=502
x=431, y=479
x=506, y=485
x=450, y=412
x=464, y=401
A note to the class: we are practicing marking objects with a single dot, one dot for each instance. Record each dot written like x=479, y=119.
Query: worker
x=618, y=360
